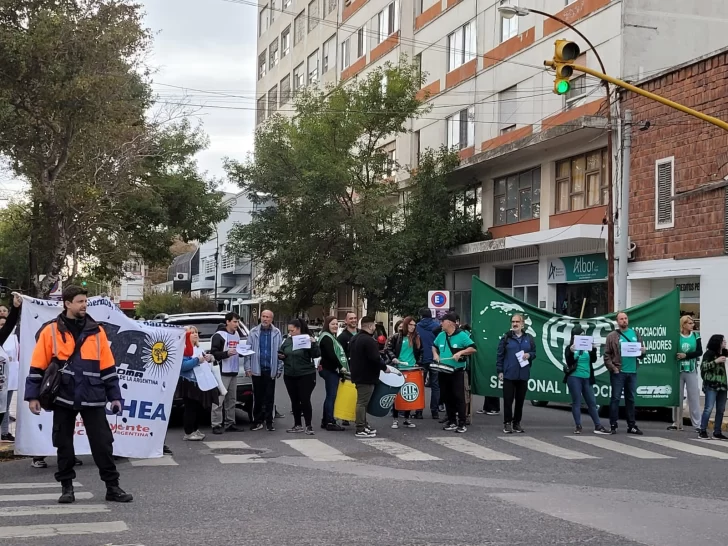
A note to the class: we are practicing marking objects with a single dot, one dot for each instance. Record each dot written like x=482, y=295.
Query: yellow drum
x=345, y=403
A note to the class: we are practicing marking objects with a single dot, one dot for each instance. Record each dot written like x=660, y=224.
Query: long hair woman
x=196, y=401
x=299, y=375
x=404, y=350
x=715, y=385
x=332, y=367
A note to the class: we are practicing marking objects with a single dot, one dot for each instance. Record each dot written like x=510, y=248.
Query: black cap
x=451, y=317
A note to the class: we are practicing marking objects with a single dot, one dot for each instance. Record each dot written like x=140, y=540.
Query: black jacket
x=364, y=359
x=217, y=349
x=571, y=363
x=329, y=360
x=394, y=347
x=345, y=338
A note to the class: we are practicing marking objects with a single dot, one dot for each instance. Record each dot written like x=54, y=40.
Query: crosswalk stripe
x=52, y=509
x=239, y=459
x=317, y=450
x=400, y=451
x=166, y=460
x=33, y=485
x=469, y=448
x=712, y=442
x=624, y=449
x=83, y=495
x=687, y=448
x=227, y=444
x=544, y=447
x=57, y=529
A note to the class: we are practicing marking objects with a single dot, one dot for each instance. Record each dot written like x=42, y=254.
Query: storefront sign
x=479, y=246
x=592, y=267
x=689, y=287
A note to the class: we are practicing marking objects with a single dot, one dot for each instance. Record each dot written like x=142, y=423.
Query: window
x=263, y=22
x=273, y=53
x=459, y=283
x=360, y=43
x=285, y=87
x=576, y=91
x=416, y=146
x=504, y=280
x=260, y=111
x=273, y=11
x=582, y=182
x=298, y=78
x=286, y=41
x=313, y=15
x=287, y=4
x=525, y=283
x=345, y=51
x=299, y=28
x=312, y=65
x=329, y=6
x=517, y=197
x=509, y=27
x=387, y=22
x=664, y=191
x=328, y=50
x=469, y=201
x=262, y=65
x=461, y=46
x=461, y=129
x=390, y=162
x=272, y=100
x=507, y=107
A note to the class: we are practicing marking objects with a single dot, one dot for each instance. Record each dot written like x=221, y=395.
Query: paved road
x=418, y=486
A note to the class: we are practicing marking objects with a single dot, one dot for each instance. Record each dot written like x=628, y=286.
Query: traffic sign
x=438, y=299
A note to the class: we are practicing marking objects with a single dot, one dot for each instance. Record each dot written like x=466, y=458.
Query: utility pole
x=624, y=213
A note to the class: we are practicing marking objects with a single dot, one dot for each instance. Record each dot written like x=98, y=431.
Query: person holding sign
x=580, y=356
x=196, y=400
x=299, y=372
x=691, y=349
x=516, y=352
x=224, y=348
x=715, y=386
x=623, y=350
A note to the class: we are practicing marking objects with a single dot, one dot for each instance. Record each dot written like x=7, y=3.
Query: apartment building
x=534, y=165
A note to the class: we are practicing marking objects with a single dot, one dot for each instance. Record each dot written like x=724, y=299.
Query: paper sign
x=244, y=349
x=583, y=343
x=522, y=361
x=631, y=348
x=301, y=342
x=205, y=380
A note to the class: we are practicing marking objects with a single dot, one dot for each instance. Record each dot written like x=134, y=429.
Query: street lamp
x=509, y=12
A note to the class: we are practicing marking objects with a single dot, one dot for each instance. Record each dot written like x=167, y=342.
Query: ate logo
x=387, y=401
x=409, y=392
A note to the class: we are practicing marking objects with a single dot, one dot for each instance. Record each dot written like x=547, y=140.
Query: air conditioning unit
x=181, y=277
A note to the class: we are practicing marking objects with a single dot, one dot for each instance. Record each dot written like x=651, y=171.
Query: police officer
x=88, y=381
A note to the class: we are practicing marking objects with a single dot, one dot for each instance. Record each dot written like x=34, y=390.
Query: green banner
x=657, y=321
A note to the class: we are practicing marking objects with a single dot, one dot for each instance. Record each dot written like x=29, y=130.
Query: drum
x=411, y=396
x=345, y=403
x=385, y=392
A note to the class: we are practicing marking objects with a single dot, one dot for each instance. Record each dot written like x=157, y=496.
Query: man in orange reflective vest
x=88, y=381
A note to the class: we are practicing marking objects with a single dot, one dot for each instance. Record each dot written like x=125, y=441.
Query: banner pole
x=583, y=305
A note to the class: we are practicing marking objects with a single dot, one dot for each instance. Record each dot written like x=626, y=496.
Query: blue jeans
x=713, y=399
x=434, y=381
x=579, y=388
x=331, y=382
x=626, y=382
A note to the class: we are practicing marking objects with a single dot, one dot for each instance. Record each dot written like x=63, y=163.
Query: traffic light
x=565, y=53
x=83, y=283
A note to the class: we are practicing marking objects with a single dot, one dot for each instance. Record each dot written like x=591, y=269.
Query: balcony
x=202, y=284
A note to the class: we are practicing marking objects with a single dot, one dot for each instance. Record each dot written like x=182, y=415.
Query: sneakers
x=192, y=437
x=345, y=424
x=450, y=427
x=601, y=430
x=703, y=435
x=461, y=429
x=577, y=429
x=395, y=424
x=370, y=430
x=492, y=412
x=309, y=431
x=613, y=429
x=408, y=424
x=233, y=428
x=365, y=434
x=719, y=436
x=270, y=427
x=508, y=428
x=258, y=426
x=517, y=428
x=167, y=451
x=217, y=430
x=7, y=438
x=635, y=430
x=115, y=493
x=481, y=411
x=67, y=494
x=295, y=429
x=39, y=463
x=333, y=427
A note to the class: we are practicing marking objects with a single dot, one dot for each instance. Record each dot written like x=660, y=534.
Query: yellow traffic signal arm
x=624, y=85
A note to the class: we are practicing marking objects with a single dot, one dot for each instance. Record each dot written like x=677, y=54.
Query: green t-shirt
x=689, y=344
x=459, y=340
x=583, y=365
x=629, y=363
x=407, y=355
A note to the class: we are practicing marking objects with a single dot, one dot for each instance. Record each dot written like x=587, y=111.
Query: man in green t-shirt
x=623, y=372
x=449, y=352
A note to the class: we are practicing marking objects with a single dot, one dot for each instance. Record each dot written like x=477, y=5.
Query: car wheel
x=539, y=403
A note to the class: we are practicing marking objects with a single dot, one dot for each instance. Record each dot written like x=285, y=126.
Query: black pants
x=452, y=391
x=100, y=438
x=407, y=414
x=513, y=389
x=191, y=418
x=491, y=403
x=264, y=395
x=300, y=389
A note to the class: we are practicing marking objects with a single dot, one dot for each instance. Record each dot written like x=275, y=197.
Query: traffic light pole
x=624, y=214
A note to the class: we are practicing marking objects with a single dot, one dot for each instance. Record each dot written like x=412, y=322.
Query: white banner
x=148, y=358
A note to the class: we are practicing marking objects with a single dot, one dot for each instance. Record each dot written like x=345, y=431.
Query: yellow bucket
x=345, y=403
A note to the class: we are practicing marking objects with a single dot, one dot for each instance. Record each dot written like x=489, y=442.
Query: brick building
x=679, y=191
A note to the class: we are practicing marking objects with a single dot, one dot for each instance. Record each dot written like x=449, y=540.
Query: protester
x=691, y=348
x=579, y=377
x=4, y=311
x=365, y=364
x=299, y=375
x=9, y=355
x=515, y=372
x=405, y=352
x=715, y=386
x=223, y=348
x=349, y=332
x=93, y=382
x=264, y=367
x=333, y=366
x=450, y=350
x=428, y=328
x=623, y=373
x=195, y=400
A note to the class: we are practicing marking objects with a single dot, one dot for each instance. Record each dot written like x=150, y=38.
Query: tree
x=154, y=304
x=324, y=183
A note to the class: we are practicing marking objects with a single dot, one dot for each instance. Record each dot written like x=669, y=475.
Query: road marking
x=33, y=485
x=239, y=459
x=52, y=509
x=165, y=460
x=42, y=497
x=317, y=450
x=475, y=450
x=624, y=449
x=544, y=447
x=232, y=444
x=58, y=529
x=687, y=448
x=400, y=451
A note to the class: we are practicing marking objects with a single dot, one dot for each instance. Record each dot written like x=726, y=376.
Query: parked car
x=207, y=324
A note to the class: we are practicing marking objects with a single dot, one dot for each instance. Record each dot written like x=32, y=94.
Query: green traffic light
x=83, y=283
x=563, y=87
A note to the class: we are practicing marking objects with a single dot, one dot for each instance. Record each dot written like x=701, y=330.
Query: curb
x=7, y=450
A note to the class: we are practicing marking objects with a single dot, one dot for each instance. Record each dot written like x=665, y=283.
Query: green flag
x=657, y=321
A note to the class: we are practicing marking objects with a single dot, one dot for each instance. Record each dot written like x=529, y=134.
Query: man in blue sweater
x=427, y=329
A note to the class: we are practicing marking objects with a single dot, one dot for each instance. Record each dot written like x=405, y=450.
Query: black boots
x=67, y=496
x=114, y=493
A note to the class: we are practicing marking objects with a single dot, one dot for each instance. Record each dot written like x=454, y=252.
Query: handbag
x=52, y=376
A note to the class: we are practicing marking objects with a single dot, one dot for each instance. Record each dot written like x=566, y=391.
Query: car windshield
x=205, y=326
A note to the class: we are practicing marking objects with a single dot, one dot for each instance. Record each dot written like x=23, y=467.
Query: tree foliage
x=171, y=304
